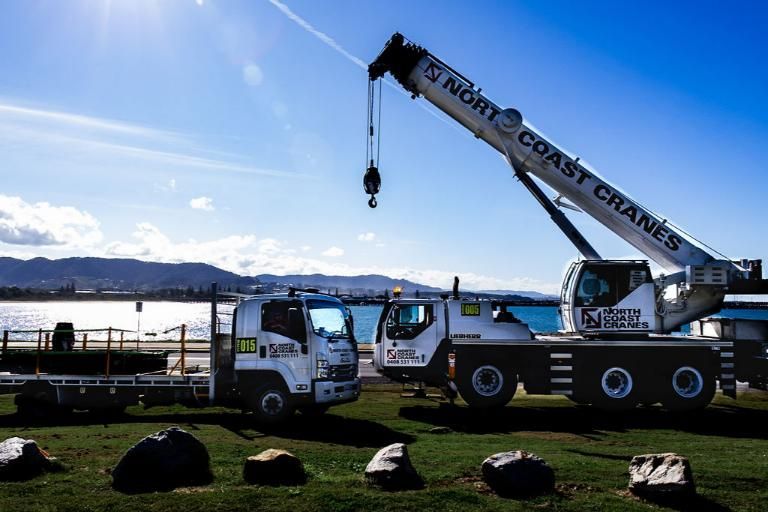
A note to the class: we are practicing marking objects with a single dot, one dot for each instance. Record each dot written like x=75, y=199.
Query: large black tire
x=613, y=388
x=689, y=387
x=271, y=403
x=485, y=385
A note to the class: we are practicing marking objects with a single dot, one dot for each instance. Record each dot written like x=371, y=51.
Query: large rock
x=661, y=476
x=274, y=467
x=391, y=469
x=161, y=462
x=518, y=474
x=21, y=459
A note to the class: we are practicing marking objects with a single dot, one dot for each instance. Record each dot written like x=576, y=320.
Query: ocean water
x=158, y=317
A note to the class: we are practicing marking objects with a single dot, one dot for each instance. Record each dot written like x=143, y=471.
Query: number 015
x=246, y=345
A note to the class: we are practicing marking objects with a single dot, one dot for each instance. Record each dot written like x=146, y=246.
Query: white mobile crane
x=615, y=349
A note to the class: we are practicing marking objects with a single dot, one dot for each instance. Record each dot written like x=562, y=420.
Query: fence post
x=5, y=341
x=109, y=346
x=85, y=340
x=47, y=341
x=39, y=343
x=183, y=347
x=121, y=340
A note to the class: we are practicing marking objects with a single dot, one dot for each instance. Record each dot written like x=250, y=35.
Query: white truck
x=615, y=349
x=284, y=352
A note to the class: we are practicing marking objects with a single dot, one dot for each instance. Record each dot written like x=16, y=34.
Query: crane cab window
x=606, y=286
x=407, y=321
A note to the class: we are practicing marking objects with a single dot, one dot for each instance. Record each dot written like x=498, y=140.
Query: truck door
x=410, y=335
x=284, y=338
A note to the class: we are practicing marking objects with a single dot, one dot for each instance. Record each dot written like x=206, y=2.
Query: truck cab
x=293, y=351
x=416, y=337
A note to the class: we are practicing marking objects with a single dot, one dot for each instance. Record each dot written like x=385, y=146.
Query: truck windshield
x=329, y=319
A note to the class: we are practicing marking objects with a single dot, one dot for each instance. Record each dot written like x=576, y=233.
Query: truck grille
x=343, y=372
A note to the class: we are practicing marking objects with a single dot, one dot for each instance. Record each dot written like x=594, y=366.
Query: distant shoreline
x=96, y=297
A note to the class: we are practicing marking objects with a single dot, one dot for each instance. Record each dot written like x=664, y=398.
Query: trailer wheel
x=616, y=390
x=271, y=403
x=486, y=386
x=691, y=388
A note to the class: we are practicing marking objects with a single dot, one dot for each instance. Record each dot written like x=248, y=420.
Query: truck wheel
x=616, y=391
x=691, y=388
x=485, y=386
x=272, y=403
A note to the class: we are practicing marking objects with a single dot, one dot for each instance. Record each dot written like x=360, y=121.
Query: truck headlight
x=322, y=369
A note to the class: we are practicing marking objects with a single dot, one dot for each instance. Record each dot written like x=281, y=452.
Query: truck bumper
x=329, y=392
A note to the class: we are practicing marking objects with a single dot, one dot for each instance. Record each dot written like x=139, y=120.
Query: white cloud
x=202, y=203
x=305, y=248
x=366, y=237
x=247, y=255
x=252, y=74
x=42, y=224
x=333, y=252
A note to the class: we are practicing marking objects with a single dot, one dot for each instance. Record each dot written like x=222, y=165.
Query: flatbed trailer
x=278, y=354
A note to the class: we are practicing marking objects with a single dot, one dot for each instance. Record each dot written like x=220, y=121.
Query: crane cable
x=372, y=179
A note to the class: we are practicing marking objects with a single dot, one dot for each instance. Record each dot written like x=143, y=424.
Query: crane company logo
x=613, y=318
x=283, y=350
x=551, y=156
x=470, y=98
x=402, y=356
x=432, y=73
x=591, y=318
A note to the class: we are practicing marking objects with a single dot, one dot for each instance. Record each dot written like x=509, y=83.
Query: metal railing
x=44, y=339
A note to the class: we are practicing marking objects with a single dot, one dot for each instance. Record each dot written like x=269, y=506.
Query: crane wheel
x=616, y=389
x=271, y=403
x=689, y=388
x=486, y=386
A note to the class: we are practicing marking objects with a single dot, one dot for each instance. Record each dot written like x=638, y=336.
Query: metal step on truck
x=269, y=354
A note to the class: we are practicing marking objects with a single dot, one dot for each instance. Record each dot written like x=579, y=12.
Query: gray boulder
x=661, y=476
x=162, y=462
x=21, y=459
x=391, y=469
x=518, y=474
x=274, y=467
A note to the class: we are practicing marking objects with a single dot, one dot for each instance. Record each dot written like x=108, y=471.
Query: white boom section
x=528, y=151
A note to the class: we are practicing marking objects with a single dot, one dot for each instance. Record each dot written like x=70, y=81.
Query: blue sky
x=234, y=132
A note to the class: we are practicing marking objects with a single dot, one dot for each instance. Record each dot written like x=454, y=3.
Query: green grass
x=727, y=444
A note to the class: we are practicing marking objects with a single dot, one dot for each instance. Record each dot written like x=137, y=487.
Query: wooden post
x=39, y=343
x=47, y=341
x=183, y=347
x=85, y=340
x=109, y=346
x=5, y=341
x=121, y=340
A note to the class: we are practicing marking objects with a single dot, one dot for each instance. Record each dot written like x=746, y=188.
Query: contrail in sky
x=325, y=38
x=320, y=35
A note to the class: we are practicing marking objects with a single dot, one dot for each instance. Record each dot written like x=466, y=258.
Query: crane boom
x=423, y=74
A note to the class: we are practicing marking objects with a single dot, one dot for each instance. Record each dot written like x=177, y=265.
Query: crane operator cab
x=603, y=296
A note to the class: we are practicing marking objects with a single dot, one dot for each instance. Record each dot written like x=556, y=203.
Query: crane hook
x=372, y=183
